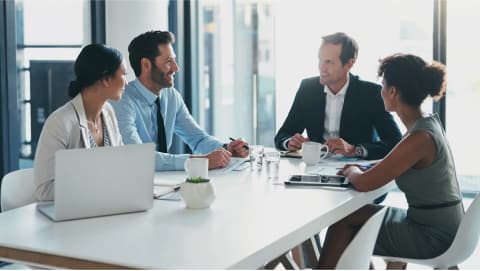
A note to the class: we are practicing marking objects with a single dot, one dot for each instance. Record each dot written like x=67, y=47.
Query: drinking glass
x=256, y=157
x=272, y=161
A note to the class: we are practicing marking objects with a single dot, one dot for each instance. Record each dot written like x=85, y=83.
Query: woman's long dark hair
x=95, y=61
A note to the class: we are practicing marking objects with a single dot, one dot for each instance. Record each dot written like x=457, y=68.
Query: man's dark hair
x=146, y=45
x=349, y=45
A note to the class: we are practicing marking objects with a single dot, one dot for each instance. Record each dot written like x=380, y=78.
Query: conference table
x=252, y=221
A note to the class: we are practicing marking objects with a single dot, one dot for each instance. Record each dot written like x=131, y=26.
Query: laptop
x=102, y=181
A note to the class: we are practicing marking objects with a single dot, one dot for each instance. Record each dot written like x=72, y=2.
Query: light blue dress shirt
x=137, y=119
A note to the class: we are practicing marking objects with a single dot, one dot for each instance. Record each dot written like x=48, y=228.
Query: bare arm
x=415, y=150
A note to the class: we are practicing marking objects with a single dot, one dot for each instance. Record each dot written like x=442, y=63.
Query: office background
x=241, y=61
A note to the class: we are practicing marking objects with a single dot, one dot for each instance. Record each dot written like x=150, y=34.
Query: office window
x=251, y=64
x=236, y=94
x=50, y=34
x=463, y=90
x=380, y=27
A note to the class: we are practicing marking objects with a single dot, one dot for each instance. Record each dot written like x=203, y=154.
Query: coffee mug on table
x=196, y=167
x=313, y=152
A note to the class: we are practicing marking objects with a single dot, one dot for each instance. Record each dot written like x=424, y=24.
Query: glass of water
x=256, y=157
x=272, y=160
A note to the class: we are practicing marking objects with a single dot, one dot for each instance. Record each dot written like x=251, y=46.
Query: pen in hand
x=244, y=146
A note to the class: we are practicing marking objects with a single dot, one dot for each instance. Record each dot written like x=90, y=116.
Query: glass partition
x=463, y=90
x=50, y=34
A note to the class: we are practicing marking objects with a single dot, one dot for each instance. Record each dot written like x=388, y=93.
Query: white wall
x=126, y=19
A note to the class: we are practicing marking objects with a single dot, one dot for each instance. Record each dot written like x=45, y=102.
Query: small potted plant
x=197, y=192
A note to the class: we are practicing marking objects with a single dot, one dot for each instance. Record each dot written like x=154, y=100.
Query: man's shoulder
x=311, y=81
x=363, y=85
x=311, y=85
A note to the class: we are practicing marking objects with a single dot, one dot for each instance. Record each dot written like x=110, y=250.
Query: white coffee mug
x=313, y=152
x=196, y=167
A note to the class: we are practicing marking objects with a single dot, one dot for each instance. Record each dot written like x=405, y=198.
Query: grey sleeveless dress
x=435, y=209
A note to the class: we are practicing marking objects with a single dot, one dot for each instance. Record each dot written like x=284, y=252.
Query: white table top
x=251, y=222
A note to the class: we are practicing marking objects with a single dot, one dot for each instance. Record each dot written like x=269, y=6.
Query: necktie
x=162, y=140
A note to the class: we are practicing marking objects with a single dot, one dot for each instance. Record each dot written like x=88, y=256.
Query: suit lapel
x=348, y=106
x=108, y=124
x=77, y=103
x=322, y=105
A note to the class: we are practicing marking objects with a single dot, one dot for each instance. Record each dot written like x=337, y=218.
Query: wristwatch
x=360, y=151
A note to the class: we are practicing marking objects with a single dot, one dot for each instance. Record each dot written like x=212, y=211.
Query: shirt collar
x=342, y=91
x=149, y=96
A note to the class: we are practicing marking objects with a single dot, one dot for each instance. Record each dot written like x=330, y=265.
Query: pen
x=232, y=139
x=166, y=196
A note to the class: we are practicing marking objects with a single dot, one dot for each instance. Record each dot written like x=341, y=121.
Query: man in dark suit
x=338, y=109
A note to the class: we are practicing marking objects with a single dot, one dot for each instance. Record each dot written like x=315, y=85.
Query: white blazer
x=66, y=128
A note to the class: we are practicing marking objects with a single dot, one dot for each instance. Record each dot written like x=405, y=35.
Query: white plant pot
x=197, y=195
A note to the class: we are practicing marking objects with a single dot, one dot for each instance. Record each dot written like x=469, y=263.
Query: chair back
x=358, y=253
x=466, y=239
x=18, y=189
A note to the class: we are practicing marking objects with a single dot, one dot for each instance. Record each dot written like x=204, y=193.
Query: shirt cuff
x=180, y=161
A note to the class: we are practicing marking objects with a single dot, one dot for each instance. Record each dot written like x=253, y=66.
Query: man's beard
x=159, y=78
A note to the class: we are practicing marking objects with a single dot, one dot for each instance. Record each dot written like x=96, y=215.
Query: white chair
x=18, y=189
x=359, y=252
x=462, y=247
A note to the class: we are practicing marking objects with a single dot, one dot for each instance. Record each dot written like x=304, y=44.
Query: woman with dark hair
x=421, y=164
x=87, y=120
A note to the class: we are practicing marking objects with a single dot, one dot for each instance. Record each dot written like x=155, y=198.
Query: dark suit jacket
x=363, y=119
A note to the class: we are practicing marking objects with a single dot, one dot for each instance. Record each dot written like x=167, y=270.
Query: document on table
x=166, y=193
x=175, y=178
x=332, y=165
x=236, y=164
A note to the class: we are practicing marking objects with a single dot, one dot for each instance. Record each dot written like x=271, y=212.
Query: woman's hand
x=350, y=170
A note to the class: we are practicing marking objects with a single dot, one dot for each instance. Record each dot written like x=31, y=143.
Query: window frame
x=10, y=135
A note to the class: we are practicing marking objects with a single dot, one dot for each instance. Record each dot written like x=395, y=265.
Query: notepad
x=166, y=193
x=236, y=163
x=290, y=154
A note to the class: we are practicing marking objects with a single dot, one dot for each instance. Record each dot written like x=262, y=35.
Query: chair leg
x=311, y=251
x=297, y=254
x=272, y=264
x=306, y=254
x=396, y=265
x=288, y=262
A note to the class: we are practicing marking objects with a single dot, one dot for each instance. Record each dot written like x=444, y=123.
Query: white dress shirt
x=333, y=111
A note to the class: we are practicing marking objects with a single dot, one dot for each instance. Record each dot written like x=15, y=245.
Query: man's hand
x=218, y=158
x=238, y=148
x=340, y=146
x=295, y=142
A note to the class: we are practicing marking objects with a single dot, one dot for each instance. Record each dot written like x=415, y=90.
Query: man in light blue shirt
x=153, y=61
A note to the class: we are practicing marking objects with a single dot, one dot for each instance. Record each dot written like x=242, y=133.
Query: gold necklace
x=94, y=125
